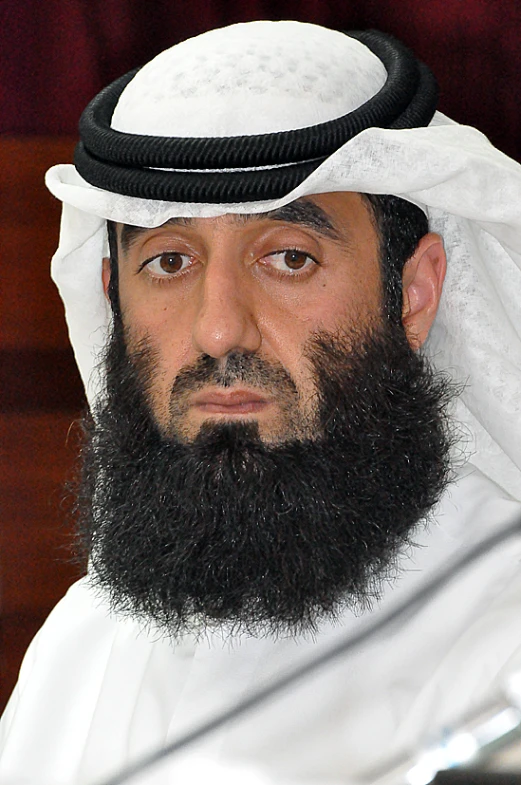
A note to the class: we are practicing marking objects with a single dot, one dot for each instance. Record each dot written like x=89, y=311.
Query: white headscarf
x=271, y=76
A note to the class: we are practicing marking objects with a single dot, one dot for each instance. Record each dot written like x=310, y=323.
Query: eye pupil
x=295, y=259
x=170, y=262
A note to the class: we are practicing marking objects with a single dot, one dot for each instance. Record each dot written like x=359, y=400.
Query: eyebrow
x=303, y=212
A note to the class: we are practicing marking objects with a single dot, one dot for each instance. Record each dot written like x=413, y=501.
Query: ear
x=105, y=275
x=422, y=282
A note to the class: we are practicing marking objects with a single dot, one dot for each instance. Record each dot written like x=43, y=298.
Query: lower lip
x=248, y=407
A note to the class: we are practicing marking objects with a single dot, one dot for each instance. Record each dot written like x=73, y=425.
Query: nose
x=225, y=320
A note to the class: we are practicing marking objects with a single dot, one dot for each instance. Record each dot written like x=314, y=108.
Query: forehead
x=334, y=216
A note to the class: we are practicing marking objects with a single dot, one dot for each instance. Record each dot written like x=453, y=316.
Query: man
x=288, y=391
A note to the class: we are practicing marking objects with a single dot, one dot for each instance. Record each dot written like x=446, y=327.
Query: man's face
x=267, y=439
x=249, y=285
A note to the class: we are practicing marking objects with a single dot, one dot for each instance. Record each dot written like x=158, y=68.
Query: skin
x=218, y=285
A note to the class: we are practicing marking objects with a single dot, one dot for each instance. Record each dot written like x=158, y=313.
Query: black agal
x=267, y=166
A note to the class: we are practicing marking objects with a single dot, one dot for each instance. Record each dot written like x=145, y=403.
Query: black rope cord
x=120, y=162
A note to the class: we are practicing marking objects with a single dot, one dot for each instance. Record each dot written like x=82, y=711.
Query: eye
x=167, y=264
x=290, y=261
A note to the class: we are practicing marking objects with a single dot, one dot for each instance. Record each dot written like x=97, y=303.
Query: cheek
x=153, y=316
x=344, y=303
x=167, y=335
x=343, y=306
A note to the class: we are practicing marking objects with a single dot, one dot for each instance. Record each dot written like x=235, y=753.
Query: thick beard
x=227, y=531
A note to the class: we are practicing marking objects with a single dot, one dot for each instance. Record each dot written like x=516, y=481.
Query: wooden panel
x=36, y=539
x=40, y=396
x=36, y=542
x=39, y=380
x=31, y=313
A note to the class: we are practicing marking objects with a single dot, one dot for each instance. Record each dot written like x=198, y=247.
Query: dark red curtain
x=57, y=54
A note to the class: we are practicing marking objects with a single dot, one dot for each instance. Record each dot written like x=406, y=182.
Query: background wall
x=57, y=54
x=54, y=56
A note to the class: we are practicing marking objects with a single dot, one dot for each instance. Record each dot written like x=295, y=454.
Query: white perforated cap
x=252, y=78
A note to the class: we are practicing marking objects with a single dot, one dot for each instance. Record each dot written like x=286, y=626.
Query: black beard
x=229, y=531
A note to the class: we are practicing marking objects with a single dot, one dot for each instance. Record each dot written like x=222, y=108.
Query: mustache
x=237, y=367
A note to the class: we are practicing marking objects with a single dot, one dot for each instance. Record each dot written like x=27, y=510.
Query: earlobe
x=422, y=283
x=105, y=275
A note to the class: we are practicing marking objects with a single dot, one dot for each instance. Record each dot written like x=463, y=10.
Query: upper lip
x=228, y=397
